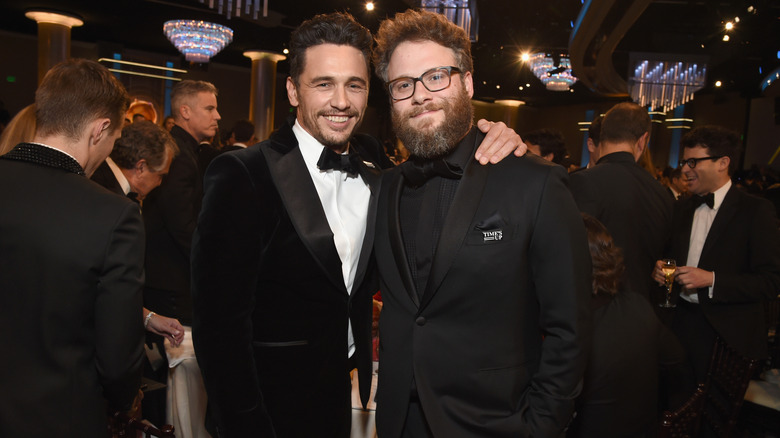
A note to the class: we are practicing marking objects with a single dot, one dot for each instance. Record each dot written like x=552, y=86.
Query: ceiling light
x=553, y=70
x=525, y=57
x=198, y=40
x=736, y=19
x=54, y=18
x=729, y=25
x=462, y=12
x=286, y=51
x=718, y=83
x=726, y=38
x=665, y=81
x=369, y=6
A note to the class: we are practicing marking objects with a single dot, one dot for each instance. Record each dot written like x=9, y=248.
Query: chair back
x=685, y=421
x=120, y=425
x=727, y=381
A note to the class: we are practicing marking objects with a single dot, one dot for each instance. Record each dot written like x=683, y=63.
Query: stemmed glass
x=668, y=268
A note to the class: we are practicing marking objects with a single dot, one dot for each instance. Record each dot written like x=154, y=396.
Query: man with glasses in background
x=727, y=248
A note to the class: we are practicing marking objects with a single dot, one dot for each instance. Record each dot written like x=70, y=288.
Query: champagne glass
x=668, y=268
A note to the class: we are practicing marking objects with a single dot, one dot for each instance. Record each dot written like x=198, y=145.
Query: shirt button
x=420, y=321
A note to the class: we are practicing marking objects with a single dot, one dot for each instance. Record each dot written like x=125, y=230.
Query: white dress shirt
x=702, y=222
x=123, y=182
x=345, y=201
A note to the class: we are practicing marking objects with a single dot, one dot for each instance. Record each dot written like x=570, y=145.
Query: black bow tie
x=418, y=173
x=345, y=163
x=708, y=199
x=133, y=196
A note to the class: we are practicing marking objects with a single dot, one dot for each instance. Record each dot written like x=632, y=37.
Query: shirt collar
x=311, y=149
x=720, y=194
x=123, y=182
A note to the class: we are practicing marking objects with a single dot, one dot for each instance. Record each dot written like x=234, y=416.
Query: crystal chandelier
x=555, y=74
x=231, y=7
x=197, y=40
x=665, y=83
x=461, y=12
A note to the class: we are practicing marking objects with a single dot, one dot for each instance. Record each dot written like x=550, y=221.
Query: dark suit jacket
x=170, y=215
x=743, y=249
x=71, y=275
x=620, y=393
x=105, y=177
x=635, y=208
x=271, y=308
x=497, y=346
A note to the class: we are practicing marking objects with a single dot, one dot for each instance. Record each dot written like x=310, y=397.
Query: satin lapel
x=372, y=177
x=684, y=238
x=396, y=238
x=455, y=227
x=726, y=211
x=303, y=206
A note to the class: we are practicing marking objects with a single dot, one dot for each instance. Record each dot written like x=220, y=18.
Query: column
x=262, y=101
x=53, y=38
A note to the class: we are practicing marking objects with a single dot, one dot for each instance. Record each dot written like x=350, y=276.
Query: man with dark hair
x=140, y=159
x=71, y=271
x=282, y=269
x=547, y=144
x=242, y=135
x=485, y=271
x=727, y=248
x=678, y=187
x=633, y=206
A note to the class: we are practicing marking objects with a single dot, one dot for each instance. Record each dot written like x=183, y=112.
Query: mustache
x=350, y=113
x=414, y=112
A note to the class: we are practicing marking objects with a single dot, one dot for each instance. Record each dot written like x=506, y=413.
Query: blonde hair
x=20, y=129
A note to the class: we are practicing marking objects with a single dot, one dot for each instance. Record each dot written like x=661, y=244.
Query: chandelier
x=461, y=12
x=197, y=40
x=665, y=83
x=554, y=71
x=231, y=7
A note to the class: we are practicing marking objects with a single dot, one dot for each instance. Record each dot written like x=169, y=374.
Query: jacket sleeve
x=118, y=311
x=226, y=253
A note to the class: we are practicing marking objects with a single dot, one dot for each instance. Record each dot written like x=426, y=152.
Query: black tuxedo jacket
x=170, y=215
x=497, y=345
x=271, y=308
x=71, y=276
x=105, y=177
x=635, y=208
x=743, y=249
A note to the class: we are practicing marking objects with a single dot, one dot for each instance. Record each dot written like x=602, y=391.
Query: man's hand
x=167, y=327
x=658, y=274
x=693, y=278
x=499, y=142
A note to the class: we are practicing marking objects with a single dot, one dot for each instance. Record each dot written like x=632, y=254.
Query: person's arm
x=162, y=325
x=119, y=331
x=177, y=200
x=499, y=142
x=561, y=269
x=226, y=252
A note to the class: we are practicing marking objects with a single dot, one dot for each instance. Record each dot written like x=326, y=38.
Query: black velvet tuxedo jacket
x=497, y=345
x=71, y=278
x=743, y=249
x=170, y=215
x=271, y=307
x=635, y=208
x=105, y=177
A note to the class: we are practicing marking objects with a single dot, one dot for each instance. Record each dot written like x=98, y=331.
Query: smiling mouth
x=337, y=119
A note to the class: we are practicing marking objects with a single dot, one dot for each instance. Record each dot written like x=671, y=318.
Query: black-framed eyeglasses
x=692, y=162
x=435, y=79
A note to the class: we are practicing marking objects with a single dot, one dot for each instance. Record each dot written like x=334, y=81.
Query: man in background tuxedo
x=71, y=270
x=242, y=135
x=485, y=271
x=635, y=208
x=282, y=266
x=727, y=249
x=139, y=161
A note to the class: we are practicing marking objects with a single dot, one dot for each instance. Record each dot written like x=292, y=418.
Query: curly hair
x=607, y=258
x=414, y=25
x=143, y=140
x=718, y=140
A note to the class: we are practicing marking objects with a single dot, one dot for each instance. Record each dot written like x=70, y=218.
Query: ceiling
x=506, y=28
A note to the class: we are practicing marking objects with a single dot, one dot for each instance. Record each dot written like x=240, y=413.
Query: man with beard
x=282, y=269
x=485, y=271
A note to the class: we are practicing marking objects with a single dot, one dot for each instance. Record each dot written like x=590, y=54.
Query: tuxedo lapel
x=726, y=211
x=396, y=237
x=456, y=225
x=684, y=238
x=372, y=177
x=302, y=203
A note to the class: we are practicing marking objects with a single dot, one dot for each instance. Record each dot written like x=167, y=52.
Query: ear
x=468, y=81
x=99, y=129
x=141, y=166
x=184, y=111
x=640, y=145
x=591, y=145
x=723, y=164
x=292, y=92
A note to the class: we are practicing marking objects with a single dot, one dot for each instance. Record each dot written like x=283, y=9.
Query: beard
x=432, y=142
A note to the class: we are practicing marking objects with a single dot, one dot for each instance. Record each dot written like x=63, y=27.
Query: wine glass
x=668, y=267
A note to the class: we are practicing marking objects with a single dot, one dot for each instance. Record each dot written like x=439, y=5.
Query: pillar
x=53, y=38
x=262, y=100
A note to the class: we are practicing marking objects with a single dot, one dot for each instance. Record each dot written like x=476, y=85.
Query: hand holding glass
x=668, y=267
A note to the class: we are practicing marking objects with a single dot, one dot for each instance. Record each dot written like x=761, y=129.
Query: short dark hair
x=337, y=28
x=719, y=141
x=143, y=140
x=549, y=142
x=607, y=258
x=594, y=130
x=76, y=92
x=415, y=25
x=243, y=130
x=624, y=122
